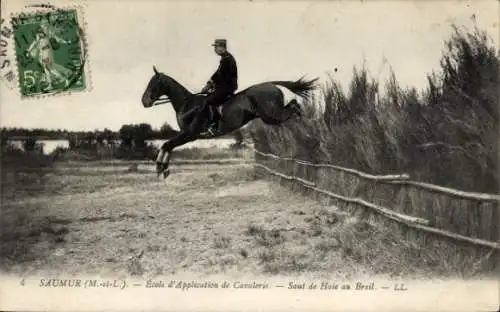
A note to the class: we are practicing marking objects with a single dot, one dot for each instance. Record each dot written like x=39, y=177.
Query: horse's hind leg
x=285, y=113
x=295, y=107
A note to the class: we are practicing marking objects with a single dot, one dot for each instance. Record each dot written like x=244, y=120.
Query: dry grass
x=445, y=134
x=351, y=247
x=207, y=220
x=379, y=245
x=468, y=217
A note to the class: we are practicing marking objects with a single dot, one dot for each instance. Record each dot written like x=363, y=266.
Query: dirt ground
x=95, y=218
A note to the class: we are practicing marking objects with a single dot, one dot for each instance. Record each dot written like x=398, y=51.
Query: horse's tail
x=300, y=87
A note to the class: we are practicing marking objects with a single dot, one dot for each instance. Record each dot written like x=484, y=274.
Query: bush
x=106, y=153
x=445, y=134
x=29, y=144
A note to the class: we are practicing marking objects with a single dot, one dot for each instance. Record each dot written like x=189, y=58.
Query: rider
x=223, y=82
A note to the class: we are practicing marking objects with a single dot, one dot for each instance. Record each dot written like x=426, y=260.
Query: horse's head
x=154, y=90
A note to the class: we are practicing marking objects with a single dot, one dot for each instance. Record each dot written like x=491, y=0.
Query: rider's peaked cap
x=220, y=43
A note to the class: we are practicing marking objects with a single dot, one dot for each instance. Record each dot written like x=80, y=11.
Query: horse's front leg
x=162, y=162
x=163, y=158
x=159, y=161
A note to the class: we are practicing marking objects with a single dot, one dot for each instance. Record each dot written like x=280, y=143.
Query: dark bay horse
x=263, y=100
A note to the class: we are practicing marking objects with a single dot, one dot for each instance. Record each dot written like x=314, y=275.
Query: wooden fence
x=463, y=216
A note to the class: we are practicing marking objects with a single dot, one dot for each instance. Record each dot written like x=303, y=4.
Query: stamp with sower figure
x=49, y=51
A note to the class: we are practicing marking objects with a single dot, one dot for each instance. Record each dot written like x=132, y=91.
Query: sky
x=271, y=40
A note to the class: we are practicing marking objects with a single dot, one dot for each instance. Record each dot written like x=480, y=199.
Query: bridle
x=161, y=100
x=165, y=99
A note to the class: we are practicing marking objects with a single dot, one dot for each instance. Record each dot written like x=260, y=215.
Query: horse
x=264, y=100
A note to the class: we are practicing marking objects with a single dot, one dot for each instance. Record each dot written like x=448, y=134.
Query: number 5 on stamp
x=49, y=52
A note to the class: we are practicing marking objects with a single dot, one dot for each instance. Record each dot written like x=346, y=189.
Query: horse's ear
x=155, y=70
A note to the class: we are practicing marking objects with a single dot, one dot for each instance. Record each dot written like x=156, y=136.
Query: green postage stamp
x=50, y=52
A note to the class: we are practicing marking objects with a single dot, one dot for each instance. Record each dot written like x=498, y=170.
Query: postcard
x=249, y=155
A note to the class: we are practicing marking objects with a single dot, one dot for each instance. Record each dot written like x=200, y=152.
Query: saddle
x=214, y=110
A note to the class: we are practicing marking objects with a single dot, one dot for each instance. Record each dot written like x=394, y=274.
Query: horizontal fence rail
x=360, y=174
x=419, y=223
x=395, y=179
x=450, y=191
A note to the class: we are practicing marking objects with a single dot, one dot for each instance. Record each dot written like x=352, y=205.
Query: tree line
x=130, y=141
x=142, y=130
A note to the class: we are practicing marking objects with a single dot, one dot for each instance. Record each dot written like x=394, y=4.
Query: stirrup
x=211, y=130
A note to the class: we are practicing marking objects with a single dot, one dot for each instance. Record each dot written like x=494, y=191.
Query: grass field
x=118, y=219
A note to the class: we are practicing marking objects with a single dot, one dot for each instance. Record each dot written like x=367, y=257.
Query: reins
x=167, y=100
x=162, y=101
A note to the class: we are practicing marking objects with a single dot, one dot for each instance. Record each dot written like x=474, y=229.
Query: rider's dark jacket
x=225, y=79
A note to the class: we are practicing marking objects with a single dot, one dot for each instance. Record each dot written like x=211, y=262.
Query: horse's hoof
x=166, y=173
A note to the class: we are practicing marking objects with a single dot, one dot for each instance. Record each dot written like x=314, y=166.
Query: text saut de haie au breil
x=185, y=285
